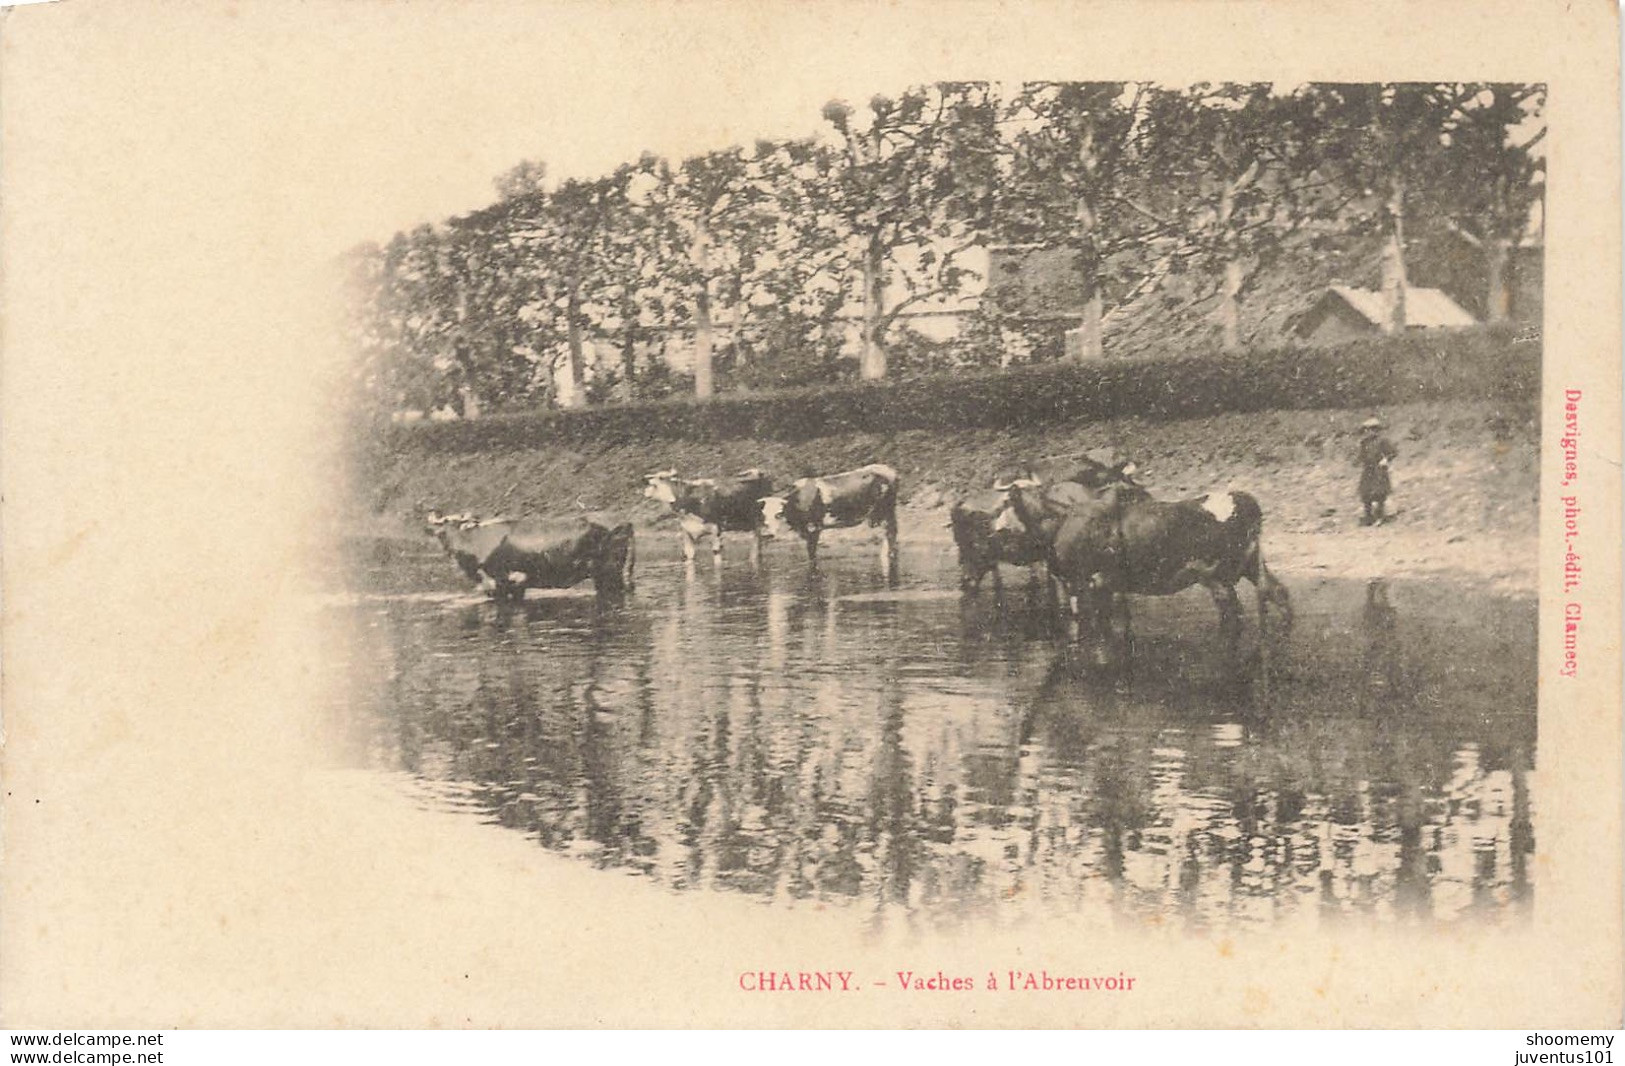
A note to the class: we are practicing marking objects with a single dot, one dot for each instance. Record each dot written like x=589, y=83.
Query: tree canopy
x=803, y=260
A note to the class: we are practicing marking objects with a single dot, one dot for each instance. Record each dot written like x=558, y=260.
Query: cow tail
x=1271, y=592
x=631, y=560
x=1124, y=574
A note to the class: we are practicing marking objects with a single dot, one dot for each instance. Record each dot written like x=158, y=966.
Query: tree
x=371, y=333
x=525, y=178
x=913, y=192
x=706, y=217
x=1494, y=176
x=792, y=281
x=1224, y=163
x=574, y=263
x=415, y=317
x=1071, y=146
x=1388, y=143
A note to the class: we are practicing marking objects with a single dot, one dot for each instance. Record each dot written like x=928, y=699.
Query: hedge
x=1473, y=364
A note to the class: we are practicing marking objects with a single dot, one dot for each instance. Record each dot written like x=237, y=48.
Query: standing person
x=1376, y=452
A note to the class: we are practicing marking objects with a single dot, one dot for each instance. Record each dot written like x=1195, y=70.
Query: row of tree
x=774, y=253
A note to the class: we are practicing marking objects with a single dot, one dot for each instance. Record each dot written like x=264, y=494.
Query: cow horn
x=579, y=505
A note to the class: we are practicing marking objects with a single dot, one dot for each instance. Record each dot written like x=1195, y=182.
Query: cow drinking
x=984, y=543
x=506, y=556
x=1120, y=544
x=1116, y=540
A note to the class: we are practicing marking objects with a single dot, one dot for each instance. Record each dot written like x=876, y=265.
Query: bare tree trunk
x=1393, y=258
x=1229, y=311
x=872, y=358
x=629, y=361
x=465, y=358
x=736, y=328
x=471, y=402
x=1090, y=344
x=578, y=393
x=704, y=382
x=1497, y=298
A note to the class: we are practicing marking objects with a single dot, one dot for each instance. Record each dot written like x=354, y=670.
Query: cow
x=867, y=495
x=982, y=547
x=712, y=507
x=1121, y=541
x=506, y=556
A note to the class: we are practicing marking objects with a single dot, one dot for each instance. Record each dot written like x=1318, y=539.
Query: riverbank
x=1465, y=482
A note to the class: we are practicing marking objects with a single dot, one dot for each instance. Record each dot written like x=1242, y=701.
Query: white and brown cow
x=710, y=507
x=866, y=496
x=506, y=556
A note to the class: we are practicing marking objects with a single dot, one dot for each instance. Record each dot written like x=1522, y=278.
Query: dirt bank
x=1465, y=481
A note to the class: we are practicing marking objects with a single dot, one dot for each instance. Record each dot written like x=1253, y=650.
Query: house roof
x=1424, y=308
x=1365, y=303
x=1432, y=308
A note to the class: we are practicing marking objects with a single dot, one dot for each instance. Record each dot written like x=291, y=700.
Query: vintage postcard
x=811, y=515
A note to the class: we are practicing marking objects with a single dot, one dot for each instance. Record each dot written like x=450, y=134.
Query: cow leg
x=888, y=560
x=891, y=545
x=998, y=581
x=716, y=543
x=1121, y=602
x=688, y=545
x=812, y=550
x=1280, y=600
x=1224, y=598
x=971, y=573
x=755, y=549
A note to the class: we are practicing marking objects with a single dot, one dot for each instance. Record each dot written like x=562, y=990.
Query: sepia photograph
x=829, y=520
x=645, y=515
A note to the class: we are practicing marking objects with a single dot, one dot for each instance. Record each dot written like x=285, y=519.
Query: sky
x=381, y=116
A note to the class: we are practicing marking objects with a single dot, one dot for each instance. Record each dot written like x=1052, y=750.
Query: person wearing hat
x=1376, y=452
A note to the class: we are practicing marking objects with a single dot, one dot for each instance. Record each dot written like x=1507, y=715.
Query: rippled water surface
x=914, y=752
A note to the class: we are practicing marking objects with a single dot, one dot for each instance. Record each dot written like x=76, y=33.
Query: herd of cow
x=1097, y=533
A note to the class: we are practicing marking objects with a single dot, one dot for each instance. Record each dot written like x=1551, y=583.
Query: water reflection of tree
x=754, y=735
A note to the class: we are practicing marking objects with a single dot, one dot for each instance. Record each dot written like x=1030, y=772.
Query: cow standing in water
x=1123, y=542
x=867, y=495
x=710, y=507
x=506, y=556
x=983, y=547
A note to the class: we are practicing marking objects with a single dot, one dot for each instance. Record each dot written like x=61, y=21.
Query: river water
x=832, y=741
